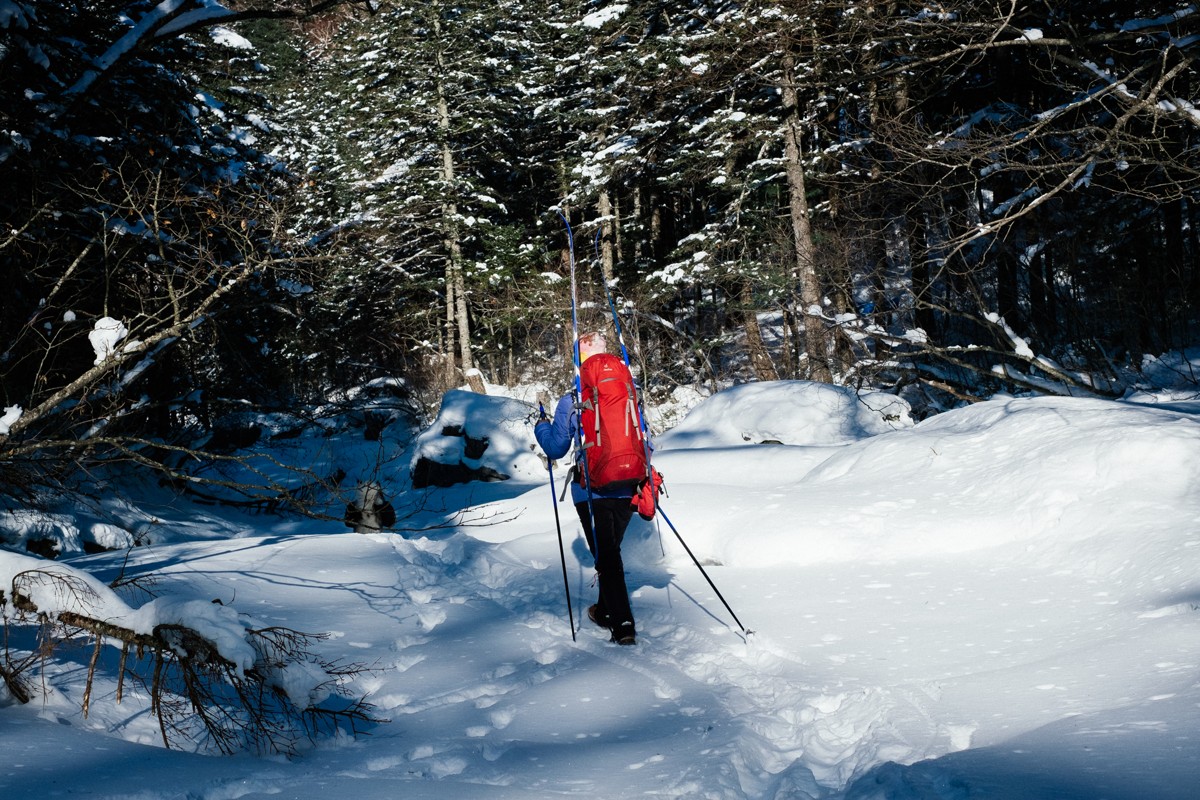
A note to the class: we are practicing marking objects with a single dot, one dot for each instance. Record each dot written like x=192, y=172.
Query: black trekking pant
x=612, y=516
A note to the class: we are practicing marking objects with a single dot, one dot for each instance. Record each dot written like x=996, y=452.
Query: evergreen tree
x=422, y=128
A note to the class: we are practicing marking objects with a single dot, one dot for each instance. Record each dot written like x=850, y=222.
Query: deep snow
x=1001, y=601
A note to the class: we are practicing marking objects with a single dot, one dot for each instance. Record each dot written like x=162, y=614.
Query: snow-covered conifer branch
x=215, y=679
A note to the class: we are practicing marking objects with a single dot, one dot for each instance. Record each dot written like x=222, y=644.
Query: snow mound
x=787, y=412
x=478, y=436
x=1036, y=471
x=1040, y=454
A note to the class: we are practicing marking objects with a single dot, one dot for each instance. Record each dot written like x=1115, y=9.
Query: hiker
x=610, y=505
x=369, y=511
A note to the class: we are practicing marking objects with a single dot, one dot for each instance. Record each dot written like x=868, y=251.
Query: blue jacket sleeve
x=555, y=437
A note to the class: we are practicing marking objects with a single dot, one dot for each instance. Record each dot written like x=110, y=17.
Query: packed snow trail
x=481, y=681
x=691, y=661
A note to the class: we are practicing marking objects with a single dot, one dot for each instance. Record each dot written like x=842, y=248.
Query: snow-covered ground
x=1002, y=601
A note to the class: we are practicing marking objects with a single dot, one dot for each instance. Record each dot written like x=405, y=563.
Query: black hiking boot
x=624, y=634
x=599, y=619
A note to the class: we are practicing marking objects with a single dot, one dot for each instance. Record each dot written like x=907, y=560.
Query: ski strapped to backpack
x=650, y=483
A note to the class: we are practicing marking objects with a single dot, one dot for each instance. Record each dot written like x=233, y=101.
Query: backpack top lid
x=601, y=368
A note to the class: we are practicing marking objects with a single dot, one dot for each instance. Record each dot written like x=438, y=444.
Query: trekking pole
x=562, y=553
x=696, y=561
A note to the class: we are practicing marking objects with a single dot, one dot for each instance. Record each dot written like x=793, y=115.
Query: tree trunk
x=1041, y=318
x=1007, y=299
x=461, y=319
x=920, y=252
x=638, y=213
x=447, y=366
x=760, y=359
x=1176, y=260
x=1192, y=246
x=607, y=225
x=455, y=282
x=816, y=344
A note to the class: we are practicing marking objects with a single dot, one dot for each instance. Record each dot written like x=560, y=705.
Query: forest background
x=211, y=209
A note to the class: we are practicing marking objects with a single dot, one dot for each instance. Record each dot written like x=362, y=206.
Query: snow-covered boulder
x=477, y=437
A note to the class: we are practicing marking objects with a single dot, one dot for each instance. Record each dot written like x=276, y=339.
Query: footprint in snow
x=502, y=718
x=420, y=597
x=549, y=655
x=651, y=760
x=430, y=618
x=447, y=767
x=637, y=661
x=407, y=662
x=379, y=764
x=404, y=642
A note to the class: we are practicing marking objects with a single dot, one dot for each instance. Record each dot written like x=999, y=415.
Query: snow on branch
x=177, y=17
x=154, y=23
x=214, y=678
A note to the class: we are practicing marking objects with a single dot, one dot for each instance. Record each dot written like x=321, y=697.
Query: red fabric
x=609, y=425
x=646, y=498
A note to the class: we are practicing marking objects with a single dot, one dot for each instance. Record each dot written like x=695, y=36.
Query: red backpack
x=609, y=424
